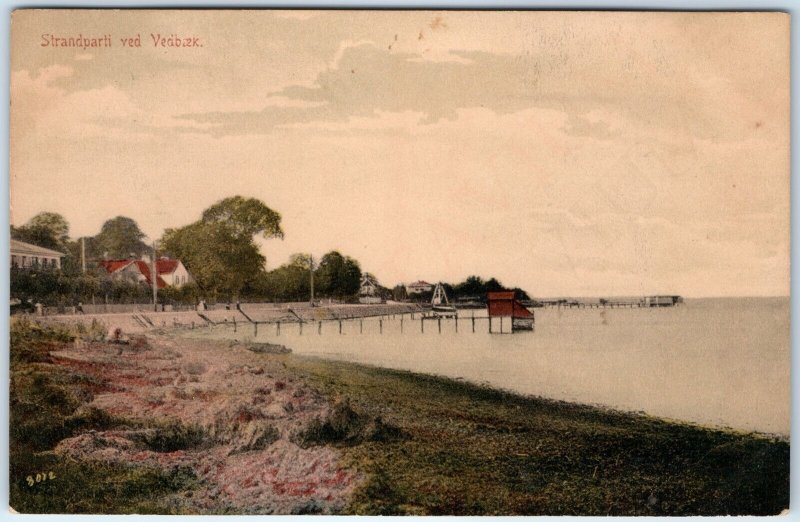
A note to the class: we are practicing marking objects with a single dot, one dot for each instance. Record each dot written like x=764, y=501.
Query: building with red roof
x=169, y=272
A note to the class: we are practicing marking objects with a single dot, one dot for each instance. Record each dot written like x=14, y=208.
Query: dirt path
x=230, y=415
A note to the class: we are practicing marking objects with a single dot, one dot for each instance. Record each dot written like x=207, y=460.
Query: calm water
x=721, y=362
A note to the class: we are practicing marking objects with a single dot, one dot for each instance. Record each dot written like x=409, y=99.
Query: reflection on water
x=713, y=361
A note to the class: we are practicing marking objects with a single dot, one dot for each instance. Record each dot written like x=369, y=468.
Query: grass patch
x=472, y=450
x=49, y=403
x=94, y=487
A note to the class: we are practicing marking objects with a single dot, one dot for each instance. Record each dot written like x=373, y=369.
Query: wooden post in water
x=422, y=325
x=473, y=322
x=340, y=327
x=490, y=324
x=319, y=328
x=440, y=324
x=456, y=324
x=401, y=324
x=380, y=323
x=234, y=325
x=278, y=329
x=361, y=326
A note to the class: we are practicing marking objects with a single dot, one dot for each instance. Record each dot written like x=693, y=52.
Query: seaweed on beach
x=343, y=426
x=270, y=348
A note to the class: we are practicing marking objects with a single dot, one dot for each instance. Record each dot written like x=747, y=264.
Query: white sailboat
x=440, y=306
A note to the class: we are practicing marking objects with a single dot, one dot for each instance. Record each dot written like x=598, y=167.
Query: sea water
x=718, y=362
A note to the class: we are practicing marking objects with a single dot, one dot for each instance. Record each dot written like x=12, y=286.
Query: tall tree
x=338, y=276
x=220, y=250
x=46, y=229
x=120, y=237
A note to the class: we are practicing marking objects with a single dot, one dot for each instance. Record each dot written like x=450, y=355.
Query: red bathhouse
x=503, y=304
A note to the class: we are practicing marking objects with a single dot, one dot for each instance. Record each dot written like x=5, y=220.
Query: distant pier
x=650, y=301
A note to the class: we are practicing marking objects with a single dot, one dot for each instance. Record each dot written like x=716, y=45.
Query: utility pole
x=154, y=278
x=83, y=255
x=311, y=276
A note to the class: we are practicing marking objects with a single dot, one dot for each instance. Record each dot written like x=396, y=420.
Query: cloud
x=364, y=79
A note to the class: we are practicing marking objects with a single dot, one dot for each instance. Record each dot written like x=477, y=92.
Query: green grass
x=48, y=404
x=471, y=450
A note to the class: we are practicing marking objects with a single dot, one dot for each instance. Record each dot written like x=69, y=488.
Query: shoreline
x=381, y=441
x=487, y=385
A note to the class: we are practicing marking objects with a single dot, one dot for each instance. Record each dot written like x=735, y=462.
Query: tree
x=245, y=218
x=119, y=237
x=338, y=276
x=219, y=249
x=46, y=229
x=289, y=282
x=399, y=293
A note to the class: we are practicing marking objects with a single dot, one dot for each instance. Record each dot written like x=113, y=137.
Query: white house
x=368, y=291
x=26, y=255
x=419, y=287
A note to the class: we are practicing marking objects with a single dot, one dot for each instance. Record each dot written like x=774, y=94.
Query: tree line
x=219, y=250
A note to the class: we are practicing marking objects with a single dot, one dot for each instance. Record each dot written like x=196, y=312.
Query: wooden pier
x=404, y=324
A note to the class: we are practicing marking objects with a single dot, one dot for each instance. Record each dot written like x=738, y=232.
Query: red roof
x=503, y=304
x=166, y=266
x=163, y=266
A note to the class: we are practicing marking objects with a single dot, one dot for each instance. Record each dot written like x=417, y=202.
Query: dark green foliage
x=473, y=450
x=289, y=282
x=119, y=238
x=337, y=276
x=46, y=229
x=474, y=286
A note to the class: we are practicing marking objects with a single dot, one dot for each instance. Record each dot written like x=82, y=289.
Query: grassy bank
x=426, y=445
x=48, y=404
x=470, y=450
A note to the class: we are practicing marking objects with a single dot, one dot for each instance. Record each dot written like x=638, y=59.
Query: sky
x=568, y=153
